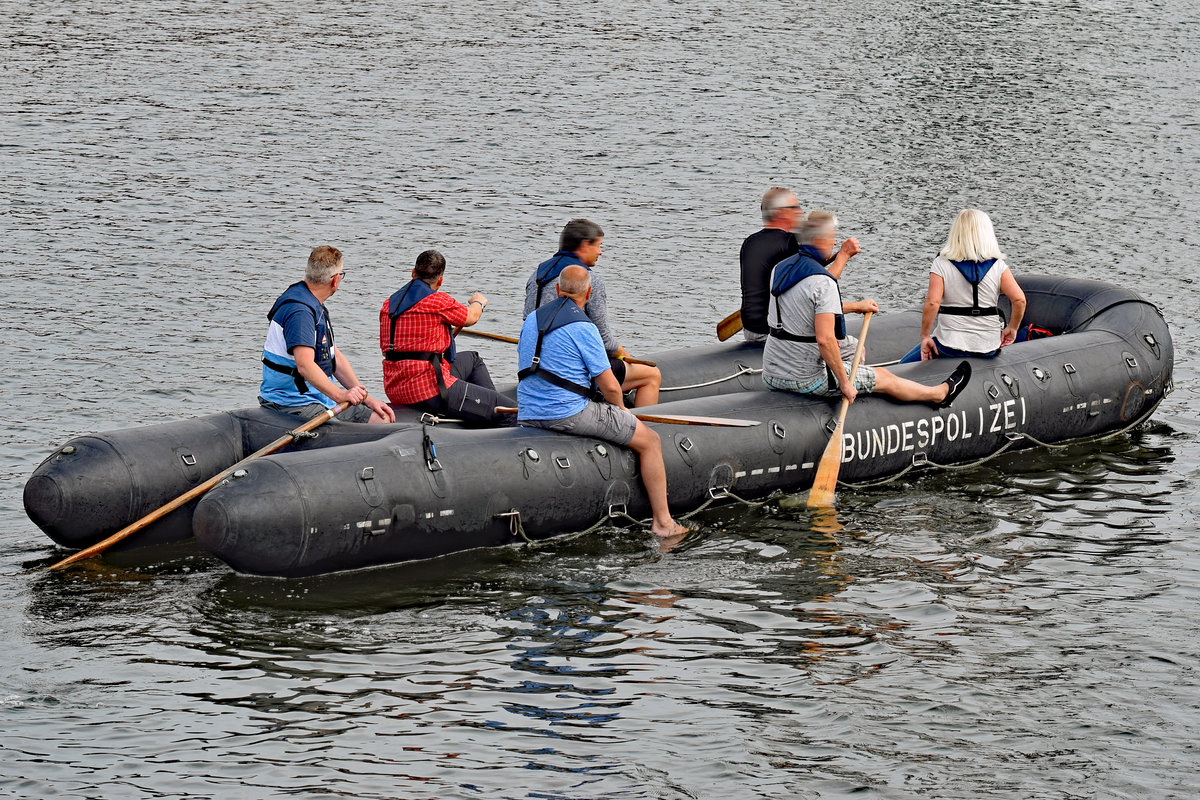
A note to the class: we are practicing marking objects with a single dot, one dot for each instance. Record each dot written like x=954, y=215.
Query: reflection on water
x=793, y=639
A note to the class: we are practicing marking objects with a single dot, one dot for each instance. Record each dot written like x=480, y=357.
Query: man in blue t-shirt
x=572, y=389
x=299, y=357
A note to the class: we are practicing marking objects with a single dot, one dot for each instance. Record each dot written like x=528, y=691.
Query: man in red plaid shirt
x=421, y=368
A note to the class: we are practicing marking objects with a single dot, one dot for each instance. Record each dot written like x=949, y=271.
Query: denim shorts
x=600, y=420
x=864, y=381
x=359, y=413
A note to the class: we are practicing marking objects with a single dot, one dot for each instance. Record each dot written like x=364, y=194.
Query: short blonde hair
x=972, y=238
x=814, y=225
x=324, y=262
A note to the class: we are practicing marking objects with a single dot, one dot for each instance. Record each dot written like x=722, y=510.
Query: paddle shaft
x=499, y=338
x=825, y=480
x=676, y=419
x=200, y=489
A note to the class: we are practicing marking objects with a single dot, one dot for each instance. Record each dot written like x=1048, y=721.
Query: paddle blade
x=687, y=419
x=729, y=326
x=825, y=482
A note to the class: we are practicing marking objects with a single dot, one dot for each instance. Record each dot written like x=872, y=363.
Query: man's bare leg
x=644, y=381
x=910, y=391
x=648, y=446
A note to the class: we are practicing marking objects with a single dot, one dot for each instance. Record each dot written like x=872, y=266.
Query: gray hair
x=814, y=225
x=772, y=201
x=324, y=262
x=575, y=286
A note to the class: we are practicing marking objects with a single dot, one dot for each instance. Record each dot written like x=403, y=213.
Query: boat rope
x=747, y=371
x=1096, y=314
x=738, y=374
x=434, y=419
x=618, y=512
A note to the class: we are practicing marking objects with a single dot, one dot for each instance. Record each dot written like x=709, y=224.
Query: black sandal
x=957, y=382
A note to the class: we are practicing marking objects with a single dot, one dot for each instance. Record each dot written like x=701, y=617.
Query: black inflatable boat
x=360, y=496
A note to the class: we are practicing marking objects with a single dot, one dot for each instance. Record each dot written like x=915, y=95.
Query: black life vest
x=974, y=272
x=323, y=350
x=401, y=301
x=551, y=317
x=548, y=271
x=788, y=273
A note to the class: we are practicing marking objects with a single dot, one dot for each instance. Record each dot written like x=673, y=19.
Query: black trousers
x=473, y=397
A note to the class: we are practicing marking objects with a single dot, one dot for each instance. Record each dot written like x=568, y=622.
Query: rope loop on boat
x=746, y=371
x=515, y=526
x=721, y=493
x=715, y=381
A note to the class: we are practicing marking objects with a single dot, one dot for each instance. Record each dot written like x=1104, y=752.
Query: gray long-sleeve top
x=596, y=308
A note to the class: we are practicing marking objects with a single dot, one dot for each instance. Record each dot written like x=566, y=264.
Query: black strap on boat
x=1093, y=316
x=430, y=451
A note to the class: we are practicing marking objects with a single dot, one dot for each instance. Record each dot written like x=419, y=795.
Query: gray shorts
x=359, y=413
x=864, y=381
x=601, y=420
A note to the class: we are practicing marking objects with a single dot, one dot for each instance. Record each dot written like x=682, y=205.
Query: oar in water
x=730, y=325
x=825, y=481
x=196, y=491
x=512, y=340
x=676, y=419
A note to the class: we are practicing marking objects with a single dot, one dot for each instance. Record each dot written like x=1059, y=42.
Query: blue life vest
x=401, y=301
x=550, y=317
x=548, y=271
x=788, y=273
x=974, y=272
x=323, y=348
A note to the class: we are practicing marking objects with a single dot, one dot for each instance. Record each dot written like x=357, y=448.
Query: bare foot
x=675, y=529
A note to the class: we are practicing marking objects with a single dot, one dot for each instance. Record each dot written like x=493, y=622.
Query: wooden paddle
x=196, y=491
x=676, y=419
x=821, y=494
x=730, y=325
x=512, y=340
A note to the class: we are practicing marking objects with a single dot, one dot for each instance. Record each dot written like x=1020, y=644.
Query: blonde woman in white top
x=965, y=281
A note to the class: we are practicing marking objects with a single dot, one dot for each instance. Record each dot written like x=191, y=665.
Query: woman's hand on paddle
x=862, y=307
